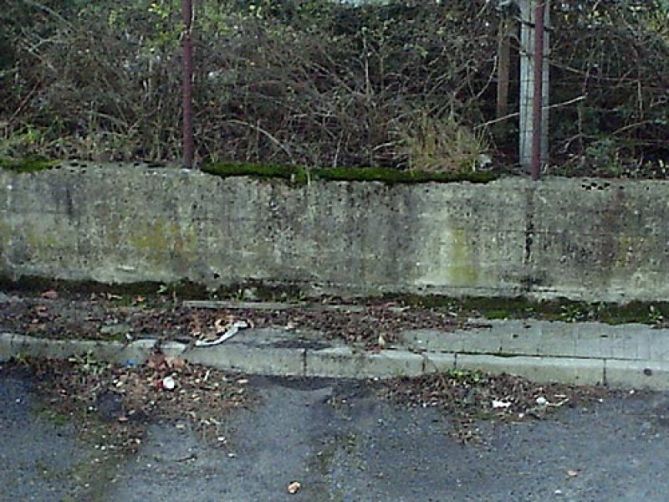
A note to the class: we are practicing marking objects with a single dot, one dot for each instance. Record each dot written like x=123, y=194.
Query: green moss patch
x=396, y=176
x=27, y=165
x=123, y=293
x=561, y=309
x=256, y=170
x=301, y=175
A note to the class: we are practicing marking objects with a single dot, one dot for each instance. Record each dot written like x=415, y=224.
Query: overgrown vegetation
x=409, y=85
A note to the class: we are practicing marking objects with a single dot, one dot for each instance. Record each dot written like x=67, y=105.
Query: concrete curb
x=619, y=357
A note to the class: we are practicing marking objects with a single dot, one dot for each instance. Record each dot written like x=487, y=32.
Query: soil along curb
x=573, y=353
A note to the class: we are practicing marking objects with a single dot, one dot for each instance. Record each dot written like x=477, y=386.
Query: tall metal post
x=187, y=89
x=537, y=95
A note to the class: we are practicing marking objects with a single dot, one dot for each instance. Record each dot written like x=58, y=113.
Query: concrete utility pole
x=528, y=73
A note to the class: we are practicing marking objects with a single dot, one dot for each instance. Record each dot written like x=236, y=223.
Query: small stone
x=294, y=487
x=250, y=294
x=50, y=295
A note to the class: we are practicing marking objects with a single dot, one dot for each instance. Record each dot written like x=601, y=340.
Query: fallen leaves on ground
x=468, y=396
x=62, y=315
x=125, y=398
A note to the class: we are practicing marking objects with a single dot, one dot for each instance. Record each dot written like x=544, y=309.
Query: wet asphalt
x=341, y=443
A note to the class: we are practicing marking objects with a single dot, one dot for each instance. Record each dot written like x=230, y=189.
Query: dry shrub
x=319, y=83
x=442, y=145
x=616, y=55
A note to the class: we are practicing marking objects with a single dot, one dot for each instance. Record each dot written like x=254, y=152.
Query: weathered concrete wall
x=601, y=239
x=579, y=239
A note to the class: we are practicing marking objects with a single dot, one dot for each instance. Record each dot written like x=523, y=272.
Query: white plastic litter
x=229, y=333
x=500, y=404
x=169, y=383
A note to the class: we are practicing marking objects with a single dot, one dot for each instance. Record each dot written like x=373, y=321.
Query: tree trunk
x=503, y=67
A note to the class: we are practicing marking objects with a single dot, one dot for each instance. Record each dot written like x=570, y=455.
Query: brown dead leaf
x=156, y=361
x=175, y=363
x=41, y=311
x=222, y=324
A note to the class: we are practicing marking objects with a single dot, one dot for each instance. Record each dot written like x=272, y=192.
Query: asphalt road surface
x=341, y=443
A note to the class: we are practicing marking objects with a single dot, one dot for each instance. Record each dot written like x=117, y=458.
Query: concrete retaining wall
x=581, y=239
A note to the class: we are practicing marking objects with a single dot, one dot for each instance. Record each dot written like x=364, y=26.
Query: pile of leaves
x=124, y=399
x=470, y=396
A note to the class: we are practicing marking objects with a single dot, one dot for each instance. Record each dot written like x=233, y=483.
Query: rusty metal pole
x=187, y=89
x=537, y=98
